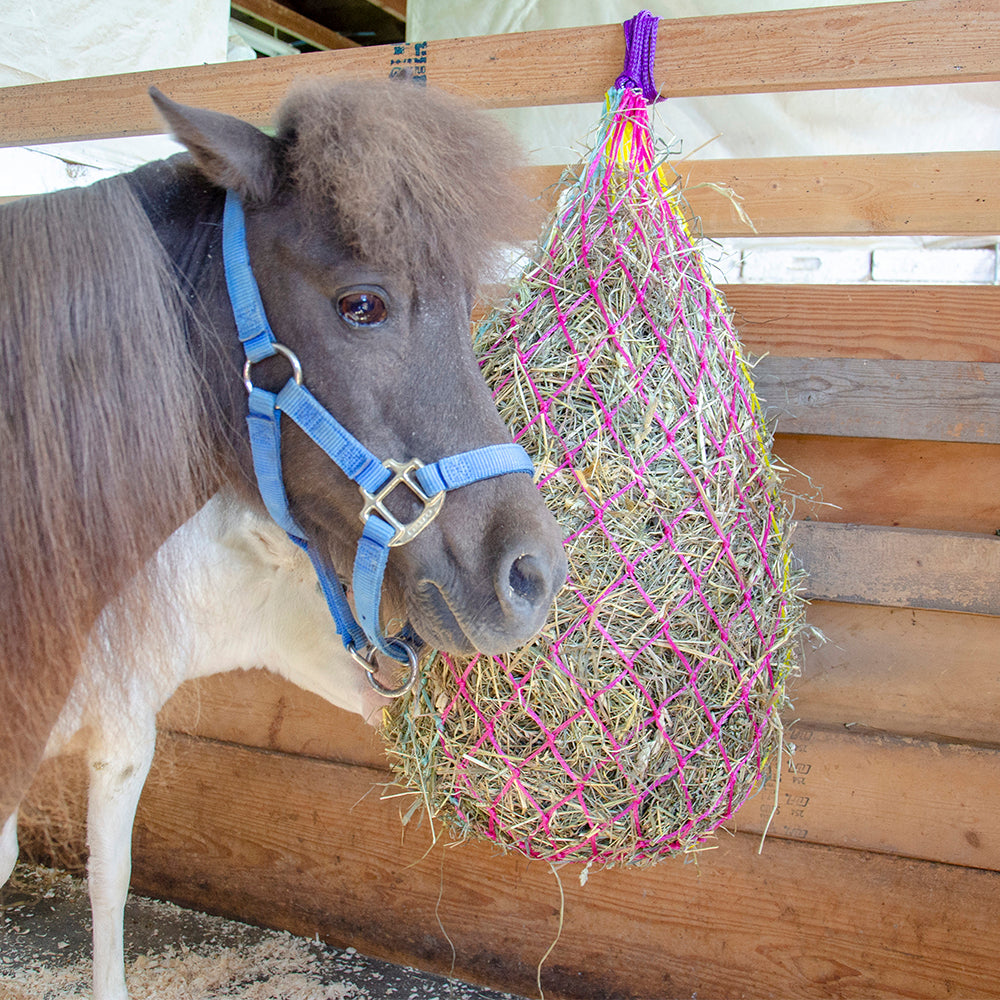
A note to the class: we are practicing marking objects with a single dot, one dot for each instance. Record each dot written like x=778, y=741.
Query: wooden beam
x=940, y=485
x=899, y=567
x=293, y=23
x=308, y=845
x=397, y=8
x=941, y=194
x=914, y=672
x=872, y=45
x=911, y=672
x=893, y=194
x=926, y=400
x=897, y=322
x=872, y=791
x=258, y=708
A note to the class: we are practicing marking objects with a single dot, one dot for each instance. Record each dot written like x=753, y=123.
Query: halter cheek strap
x=362, y=636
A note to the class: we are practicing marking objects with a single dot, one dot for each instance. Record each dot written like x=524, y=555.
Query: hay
x=646, y=711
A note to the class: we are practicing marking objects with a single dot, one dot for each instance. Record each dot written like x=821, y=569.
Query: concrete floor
x=177, y=954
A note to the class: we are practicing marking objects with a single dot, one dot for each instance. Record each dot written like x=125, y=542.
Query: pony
x=236, y=593
x=369, y=214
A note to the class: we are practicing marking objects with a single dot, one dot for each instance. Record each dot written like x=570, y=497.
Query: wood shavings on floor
x=178, y=954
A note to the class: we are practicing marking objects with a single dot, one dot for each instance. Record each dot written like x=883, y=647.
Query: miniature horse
x=233, y=592
x=368, y=216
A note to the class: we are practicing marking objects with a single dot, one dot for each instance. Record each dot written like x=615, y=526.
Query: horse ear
x=228, y=151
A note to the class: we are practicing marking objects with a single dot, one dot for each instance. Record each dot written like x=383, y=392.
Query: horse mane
x=103, y=452
x=418, y=179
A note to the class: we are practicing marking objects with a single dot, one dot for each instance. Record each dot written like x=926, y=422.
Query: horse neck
x=185, y=211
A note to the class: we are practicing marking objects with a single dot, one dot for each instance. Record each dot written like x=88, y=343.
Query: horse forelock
x=103, y=444
x=413, y=177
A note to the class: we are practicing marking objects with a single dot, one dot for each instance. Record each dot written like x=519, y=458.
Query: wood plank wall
x=879, y=875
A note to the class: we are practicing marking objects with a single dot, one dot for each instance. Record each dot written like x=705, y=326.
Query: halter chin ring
x=402, y=475
x=286, y=353
x=367, y=663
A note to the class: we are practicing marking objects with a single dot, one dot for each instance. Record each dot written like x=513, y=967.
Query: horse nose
x=526, y=583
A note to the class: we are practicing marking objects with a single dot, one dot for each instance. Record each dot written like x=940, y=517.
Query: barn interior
x=863, y=142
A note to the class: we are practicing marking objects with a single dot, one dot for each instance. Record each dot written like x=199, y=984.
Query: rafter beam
x=395, y=7
x=295, y=24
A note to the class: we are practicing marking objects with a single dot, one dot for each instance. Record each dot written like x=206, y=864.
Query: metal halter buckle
x=367, y=663
x=402, y=475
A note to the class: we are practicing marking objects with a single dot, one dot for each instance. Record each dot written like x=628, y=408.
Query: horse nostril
x=527, y=581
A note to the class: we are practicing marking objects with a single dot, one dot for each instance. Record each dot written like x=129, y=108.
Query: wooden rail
x=294, y=23
x=895, y=194
x=855, y=397
x=950, y=194
x=946, y=194
x=911, y=672
x=900, y=567
x=889, y=322
x=937, y=486
x=874, y=45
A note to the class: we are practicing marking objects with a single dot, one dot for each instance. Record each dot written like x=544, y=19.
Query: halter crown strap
x=381, y=531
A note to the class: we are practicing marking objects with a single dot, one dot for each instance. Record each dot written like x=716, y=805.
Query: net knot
x=640, y=55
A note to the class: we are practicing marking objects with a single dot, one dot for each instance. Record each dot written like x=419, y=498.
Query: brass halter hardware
x=402, y=475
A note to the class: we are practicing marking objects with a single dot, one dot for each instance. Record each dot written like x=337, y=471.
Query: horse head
x=369, y=215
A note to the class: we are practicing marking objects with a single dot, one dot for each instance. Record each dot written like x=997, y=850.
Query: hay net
x=645, y=713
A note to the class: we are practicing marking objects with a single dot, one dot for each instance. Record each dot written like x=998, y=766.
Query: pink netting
x=643, y=716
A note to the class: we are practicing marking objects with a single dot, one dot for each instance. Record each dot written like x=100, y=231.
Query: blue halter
x=362, y=637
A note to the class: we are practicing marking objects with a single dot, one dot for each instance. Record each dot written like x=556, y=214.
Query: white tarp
x=880, y=120
x=43, y=40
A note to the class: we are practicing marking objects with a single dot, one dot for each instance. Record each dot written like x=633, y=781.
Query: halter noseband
x=363, y=636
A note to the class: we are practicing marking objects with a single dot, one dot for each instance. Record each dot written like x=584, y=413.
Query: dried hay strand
x=646, y=711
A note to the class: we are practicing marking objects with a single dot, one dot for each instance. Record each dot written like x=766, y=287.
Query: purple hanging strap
x=640, y=55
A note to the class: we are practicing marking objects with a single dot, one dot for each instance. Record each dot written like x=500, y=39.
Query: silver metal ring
x=368, y=663
x=285, y=352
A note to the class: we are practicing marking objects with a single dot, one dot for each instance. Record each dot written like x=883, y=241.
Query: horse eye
x=362, y=308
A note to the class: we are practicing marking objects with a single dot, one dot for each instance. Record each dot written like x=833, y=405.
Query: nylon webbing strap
x=472, y=466
x=265, y=446
x=369, y=569
x=244, y=295
x=352, y=457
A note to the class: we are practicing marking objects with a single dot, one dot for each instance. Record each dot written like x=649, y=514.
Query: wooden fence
x=879, y=876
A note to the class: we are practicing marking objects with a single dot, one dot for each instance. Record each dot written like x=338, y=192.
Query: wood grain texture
x=395, y=7
x=308, y=845
x=899, y=567
x=918, y=193
x=919, y=41
x=927, y=796
x=876, y=322
x=882, y=792
x=931, y=675
x=911, y=484
x=894, y=194
x=909, y=671
x=916, y=400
